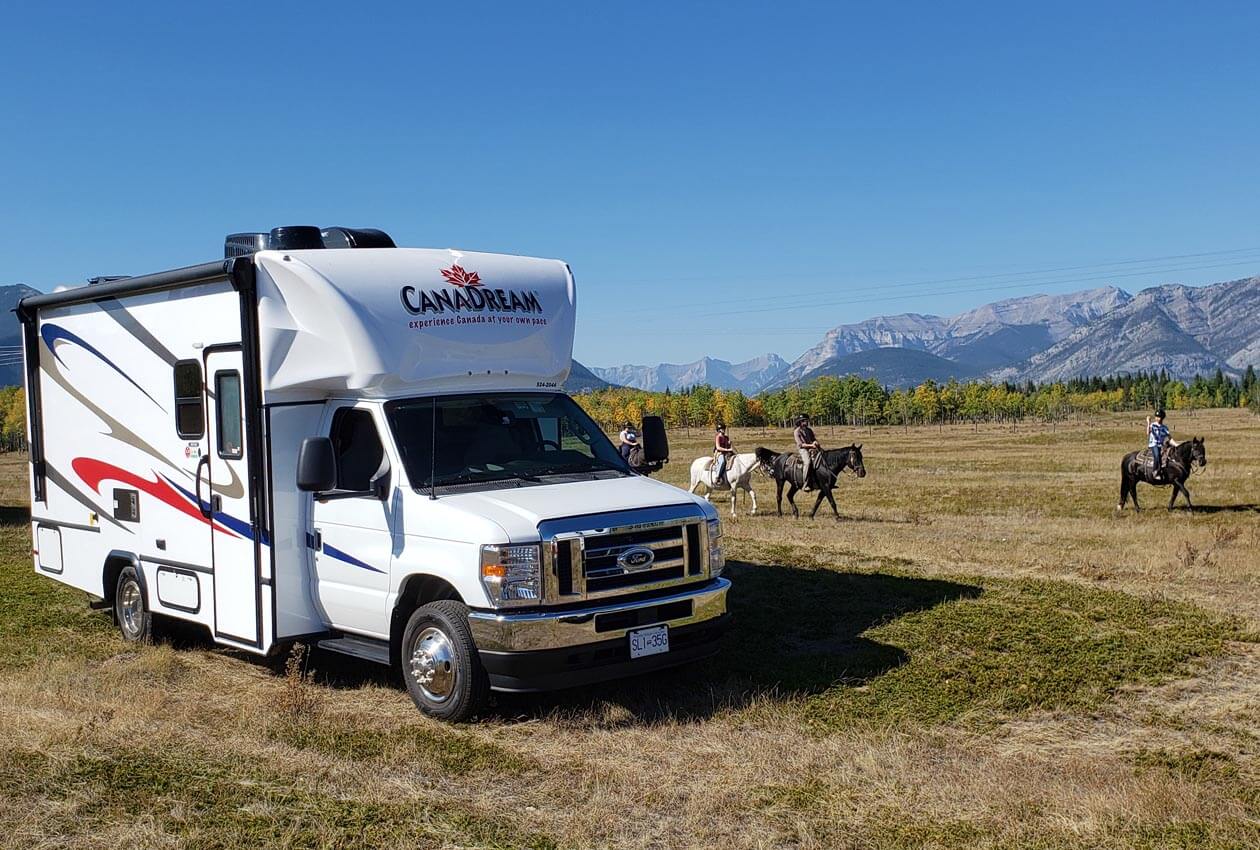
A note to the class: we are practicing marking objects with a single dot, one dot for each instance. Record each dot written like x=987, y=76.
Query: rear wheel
x=130, y=611
x=440, y=664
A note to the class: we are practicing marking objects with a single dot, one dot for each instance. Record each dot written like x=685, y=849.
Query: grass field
x=981, y=653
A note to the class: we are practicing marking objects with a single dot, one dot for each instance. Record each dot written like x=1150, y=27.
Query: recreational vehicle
x=328, y=439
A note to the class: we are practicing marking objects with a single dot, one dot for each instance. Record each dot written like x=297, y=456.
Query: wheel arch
x=115, y=562
x=416, y=589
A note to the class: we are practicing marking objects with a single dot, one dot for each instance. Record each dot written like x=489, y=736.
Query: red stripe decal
x=93, y=472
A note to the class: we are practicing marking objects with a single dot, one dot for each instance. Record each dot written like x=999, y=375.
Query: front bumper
x=546, y=650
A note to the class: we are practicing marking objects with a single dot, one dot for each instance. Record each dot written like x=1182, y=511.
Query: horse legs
x=733, y=493
x=818, y=501
x=792, y=492
x=1178, y=487
x=779, y=496
x=831, y=499
x=1124, y=491
x=752, y=494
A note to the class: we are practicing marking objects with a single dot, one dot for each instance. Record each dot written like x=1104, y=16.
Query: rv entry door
x=226, y=480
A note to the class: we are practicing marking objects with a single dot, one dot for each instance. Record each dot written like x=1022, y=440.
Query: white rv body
x=167, y=415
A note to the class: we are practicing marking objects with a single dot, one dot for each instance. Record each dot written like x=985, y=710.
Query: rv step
x=359, y=647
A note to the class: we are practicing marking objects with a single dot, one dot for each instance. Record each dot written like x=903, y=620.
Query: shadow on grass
x=1226, y=509
x=14, y=515
x=795, y=631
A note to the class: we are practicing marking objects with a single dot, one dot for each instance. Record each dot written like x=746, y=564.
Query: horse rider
x=627, y=440
x=723, y=453
x=1158, y=438
x=806, y=445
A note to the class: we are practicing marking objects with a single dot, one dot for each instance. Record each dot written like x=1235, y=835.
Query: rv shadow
x=15, y=515
x=794, y=632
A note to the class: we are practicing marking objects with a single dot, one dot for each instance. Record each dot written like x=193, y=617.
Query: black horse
x=786, y=468
x=1181, y=459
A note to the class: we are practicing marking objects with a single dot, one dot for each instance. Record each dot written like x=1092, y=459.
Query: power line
x=976, y=278
x=1000, y=288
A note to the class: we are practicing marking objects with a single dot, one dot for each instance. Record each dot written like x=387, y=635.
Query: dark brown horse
x=786, y=468
x=1181, y=460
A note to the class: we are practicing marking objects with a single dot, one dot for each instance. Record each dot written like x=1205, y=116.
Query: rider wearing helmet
x=1157, y=436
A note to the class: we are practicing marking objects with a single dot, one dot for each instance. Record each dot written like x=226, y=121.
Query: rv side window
x=227, y=402
x=190, y=419
x=360, y=454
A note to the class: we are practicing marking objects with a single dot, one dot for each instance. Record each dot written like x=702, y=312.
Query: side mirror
x=317, y=465
x=379, y=485
x=655, y=443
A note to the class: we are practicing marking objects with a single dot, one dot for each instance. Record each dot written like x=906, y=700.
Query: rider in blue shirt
x=1157, y=435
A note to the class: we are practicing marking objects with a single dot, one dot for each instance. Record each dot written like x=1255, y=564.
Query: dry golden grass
x=980, y=654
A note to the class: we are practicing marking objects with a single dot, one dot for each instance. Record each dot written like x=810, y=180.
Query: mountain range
x=1185, y=330
x=708, y=370
x=11, y=333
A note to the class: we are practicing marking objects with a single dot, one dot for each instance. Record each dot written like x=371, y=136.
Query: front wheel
x=440, y=663
x=130, y=611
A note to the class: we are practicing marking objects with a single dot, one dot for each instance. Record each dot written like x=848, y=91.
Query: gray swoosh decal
x=232, y=490
x=116, y=311
x=79, y=496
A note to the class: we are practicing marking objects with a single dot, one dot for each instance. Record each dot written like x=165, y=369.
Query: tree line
x=852, y=400
x=12, y=418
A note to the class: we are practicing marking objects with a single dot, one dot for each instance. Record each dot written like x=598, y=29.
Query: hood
x=519, y=510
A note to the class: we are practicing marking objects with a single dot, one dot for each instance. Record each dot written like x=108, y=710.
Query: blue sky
x=725, y=178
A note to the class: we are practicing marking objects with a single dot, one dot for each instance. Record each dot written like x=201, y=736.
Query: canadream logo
x=468, y=294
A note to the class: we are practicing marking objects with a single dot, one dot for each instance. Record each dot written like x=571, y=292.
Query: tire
x=131, y=612
x=440, y=664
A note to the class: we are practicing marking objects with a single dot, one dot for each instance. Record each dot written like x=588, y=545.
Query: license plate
x=651, y=641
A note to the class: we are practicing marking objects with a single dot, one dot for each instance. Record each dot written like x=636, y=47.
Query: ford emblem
x=636, y=558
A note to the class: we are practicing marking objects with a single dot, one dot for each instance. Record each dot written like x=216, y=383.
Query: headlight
x=512, y=575
x=717, y=562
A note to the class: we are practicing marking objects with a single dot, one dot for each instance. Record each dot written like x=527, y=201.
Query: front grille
x=610, y=560
x=666, y=545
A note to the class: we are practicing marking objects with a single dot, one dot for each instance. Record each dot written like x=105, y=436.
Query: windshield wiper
x=595, y=465
x=521, y=476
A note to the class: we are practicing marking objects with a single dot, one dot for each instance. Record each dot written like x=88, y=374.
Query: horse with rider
x=809, y=467
x=1164, y=462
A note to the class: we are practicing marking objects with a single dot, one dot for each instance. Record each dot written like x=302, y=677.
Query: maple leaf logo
x=457, y=276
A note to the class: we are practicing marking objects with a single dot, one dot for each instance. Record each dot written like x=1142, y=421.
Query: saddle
x=792, y=464
x=1146, y=459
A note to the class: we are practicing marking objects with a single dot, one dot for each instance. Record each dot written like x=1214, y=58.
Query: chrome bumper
x=527, y=632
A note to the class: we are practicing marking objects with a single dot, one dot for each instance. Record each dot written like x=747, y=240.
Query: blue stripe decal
x=334, y=552
x=244, y=529
x=51, y=333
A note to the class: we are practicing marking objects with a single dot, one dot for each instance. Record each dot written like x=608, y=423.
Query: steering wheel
x=552, y=443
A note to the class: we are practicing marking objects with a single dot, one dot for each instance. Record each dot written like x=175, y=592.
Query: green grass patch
x=201, y=805
x=893, y=647
x=40, y=617
x=448, y=750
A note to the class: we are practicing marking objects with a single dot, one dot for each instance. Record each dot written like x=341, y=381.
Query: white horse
x=738, y=471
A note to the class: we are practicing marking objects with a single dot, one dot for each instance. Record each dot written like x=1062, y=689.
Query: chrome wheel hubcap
x=131, y=609
x=433, y=664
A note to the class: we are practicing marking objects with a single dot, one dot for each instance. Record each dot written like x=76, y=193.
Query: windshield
x=504, y=436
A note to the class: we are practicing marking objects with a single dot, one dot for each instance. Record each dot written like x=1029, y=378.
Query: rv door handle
x=202, y=506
